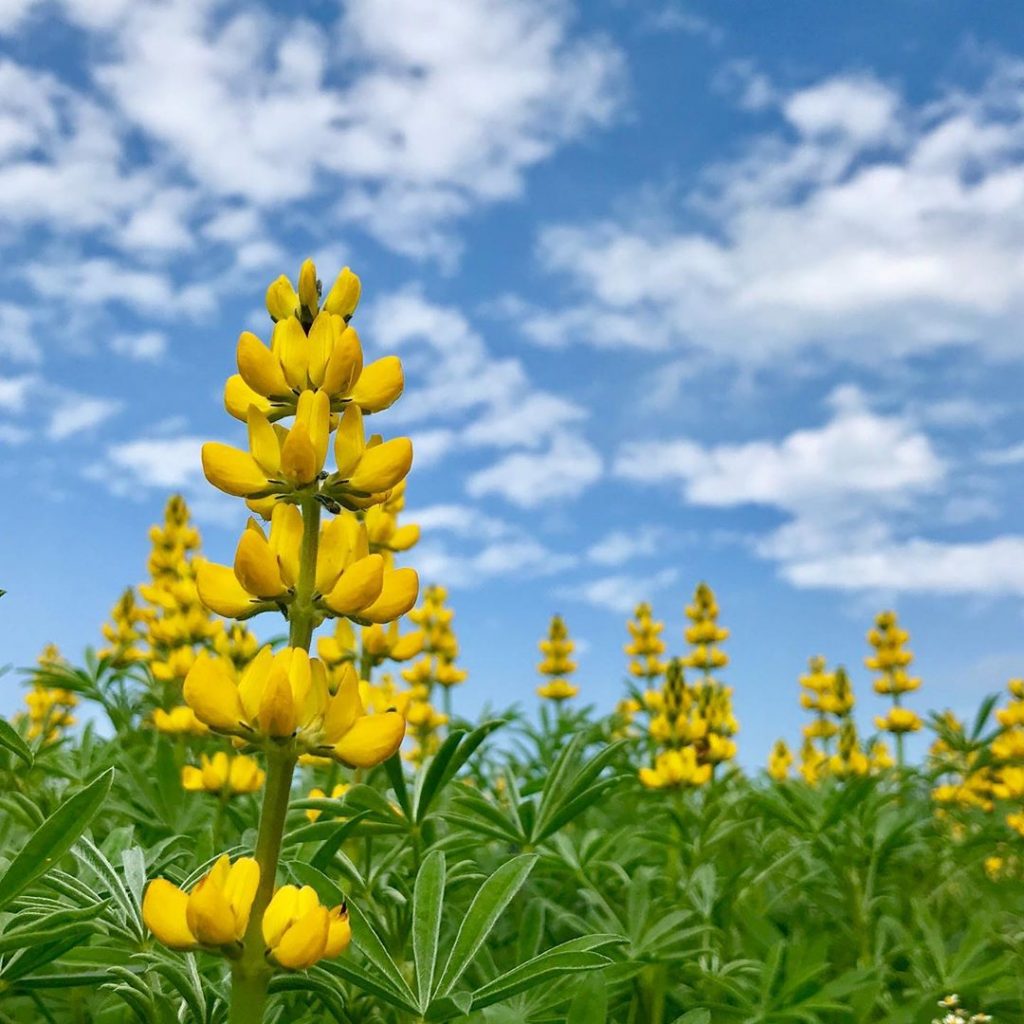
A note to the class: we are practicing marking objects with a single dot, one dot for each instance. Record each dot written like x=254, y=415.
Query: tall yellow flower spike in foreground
x=304, y=397
x=557, y=664
x=891, y=660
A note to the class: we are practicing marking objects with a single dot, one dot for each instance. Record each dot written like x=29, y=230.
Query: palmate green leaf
x=487, y=906
x=369, y=943
x=369, y=981
x=10, y=739
x=54, y=838
x=427, y=902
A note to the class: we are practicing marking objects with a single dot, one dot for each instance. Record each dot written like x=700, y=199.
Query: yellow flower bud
x=259, y=367
x=382, y=466
x=343, y=297
x=282, y=302
x=358, y=586
x=210, y=691
x=309, y=293
x=256, y=565
x=238, y=397
x=398, y=594
x=371, y=739
x=299, y=456
x=291, y=346
x=221, y=592
x=345, y=362
x=232, y=471
x=349, y=441
x=379, y=385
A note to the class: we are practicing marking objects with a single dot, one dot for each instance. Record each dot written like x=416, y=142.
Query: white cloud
x=15, y=390
x=620, y=593
x=17, y=342
x=852, y=492
x=858, y=454
x=12, y=435
x=99, y=281
x=864, y=227
x=78, y=413
x=149, y=346
x=457, y=379
x=512, y=558
x=989, y=567
x=568, y=467
x=172, y=462
x=460, y=520
x=620, y=546
x=442, y=107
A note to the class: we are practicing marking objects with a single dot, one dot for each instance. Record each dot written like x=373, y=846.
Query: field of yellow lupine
x=307, y=830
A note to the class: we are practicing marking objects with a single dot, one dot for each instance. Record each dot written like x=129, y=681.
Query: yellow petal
x=263, y=443
x=280, y=913
x=345, y=363
x=303, y=943
x=221, y=592
x=344, y=708
x=350, y=441
x=371, y=740
x=282, y=302
x=163, y=910
x=298, y=456
x=256, y=566
x=321, y=344
x=317, y=416
x=309, y=294
x=379, y=384
x=232, y=471
x=209, y=914
x=339, y=934
x=212, y=694
x=286, y=540
x=398, y=594
x=238, y=396
x=405, y=537
x=276, y=715
x=291, y=346
x=343, y=297
x=240, y=888
x=259, y=367
x=192, y=780
x=359, y=585
x=382, y=466
x=332, y=554
x=253, y=680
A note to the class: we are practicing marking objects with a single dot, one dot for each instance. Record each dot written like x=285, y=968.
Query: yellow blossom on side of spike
x=214, y=914
x=298, y=930
x=221, y=774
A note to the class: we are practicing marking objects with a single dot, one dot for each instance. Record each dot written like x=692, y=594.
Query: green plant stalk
x=250, y=973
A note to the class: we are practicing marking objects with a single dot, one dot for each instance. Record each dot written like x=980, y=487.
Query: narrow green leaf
x=456, y=750
x=369, y=981
x=534, y=972
x=695, y=1017
x=329, y=847
x=396, y=776
x=10, y=739
x=368, y=941
x=54, y=837
x=427, y=900
x=89, y=854
x=487, y=906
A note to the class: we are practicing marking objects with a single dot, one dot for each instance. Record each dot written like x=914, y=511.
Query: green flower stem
x=250, y=973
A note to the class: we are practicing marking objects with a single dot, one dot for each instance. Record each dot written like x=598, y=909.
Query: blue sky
x=727, y=292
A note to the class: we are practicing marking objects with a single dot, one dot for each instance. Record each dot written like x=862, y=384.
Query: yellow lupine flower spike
x=286, y=697
x=214, y=914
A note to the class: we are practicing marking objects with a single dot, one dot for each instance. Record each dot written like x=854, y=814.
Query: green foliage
x=517, y=877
